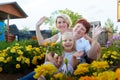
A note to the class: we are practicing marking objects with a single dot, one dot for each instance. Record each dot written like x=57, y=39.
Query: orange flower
x=117, y=72
x=88, y=78
x=46, y=43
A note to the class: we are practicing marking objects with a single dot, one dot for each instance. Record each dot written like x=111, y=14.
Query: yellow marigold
x=13, y=50
x=39, y=57
x=117, y=72
x=7, y=48
x=29, y=47
x=59, y=76
x=34, y=52
x=17, y=66
x=8, y=59
x=45, y=69
x=111, y=62
x=34, y=60
x=109, y=52
x=43, y=55
x=100, y=65
x=81, y=69
x=95, y=73
x=114, y=52
x=5, y=61
x=88, y=78
x=53, y=44
x=17, y=44
x=3, y=54
x=37, y=49
x=27, y=60
x=19, y=52
x=113, y=56
x=107, y=75
x=46, y=43
x=19, y=58
x=52, y=78
x=83, y=65
x=105, y=56
x=2, y=59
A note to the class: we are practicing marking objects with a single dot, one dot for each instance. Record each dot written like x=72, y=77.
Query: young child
x=69, y=53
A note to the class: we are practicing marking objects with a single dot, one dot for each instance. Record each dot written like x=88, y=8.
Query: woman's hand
x=41, y=21
x=96, y=31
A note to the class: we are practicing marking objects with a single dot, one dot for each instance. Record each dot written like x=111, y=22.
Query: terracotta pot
x=10, y=37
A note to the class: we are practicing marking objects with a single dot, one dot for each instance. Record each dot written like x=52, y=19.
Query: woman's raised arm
x=39, y=35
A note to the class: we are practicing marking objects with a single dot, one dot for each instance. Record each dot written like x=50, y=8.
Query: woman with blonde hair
x=62, y=22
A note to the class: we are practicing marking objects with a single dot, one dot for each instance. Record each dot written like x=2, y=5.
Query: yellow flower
x=114, y=57
x=81, y=69
x=29, y=47
x=27, y=60
x=17, y=44
x=111, y=62
x=37, y=49
x=109, y=52
x=13, y=50
x=18, y=58
x=59, y=76
x=104, y=56
x=45, y=69
x=99, y=65
x=5, y=61
x=17, y=66
x=19, y=52
x=117, y=72
x=114, y=53
x=46, y=43
x=8, y=59
x=2, y=59
x=107, y=75
x=88, y=78
x=53, y=44
x=34, y=60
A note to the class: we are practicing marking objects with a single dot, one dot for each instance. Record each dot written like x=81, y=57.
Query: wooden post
x=8, y=33
x=118, y=10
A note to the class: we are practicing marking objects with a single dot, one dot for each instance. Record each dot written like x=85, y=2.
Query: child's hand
x=78, y=54
x=58, y=59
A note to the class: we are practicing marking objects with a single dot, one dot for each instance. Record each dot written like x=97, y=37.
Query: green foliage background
x=73, y=15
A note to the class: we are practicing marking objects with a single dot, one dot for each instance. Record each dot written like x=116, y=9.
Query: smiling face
x=61, y=24
x=68, y=41
x=79, y=30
